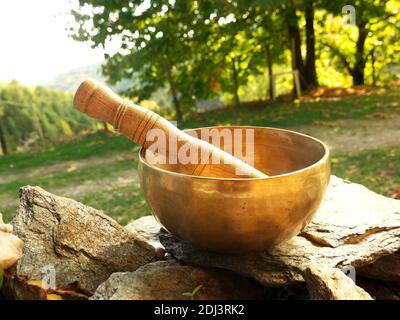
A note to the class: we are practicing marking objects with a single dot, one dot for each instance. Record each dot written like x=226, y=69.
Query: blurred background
x=326, y=68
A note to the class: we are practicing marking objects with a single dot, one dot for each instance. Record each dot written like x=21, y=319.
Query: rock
x=10, y=246
x=168, y=280
x=380, y=290
x=386, y=268
x=67, y=242
x=332, y=284
x=148, y=228
x=354, y=226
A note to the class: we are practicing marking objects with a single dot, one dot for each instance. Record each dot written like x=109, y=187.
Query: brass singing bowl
x=242, y=215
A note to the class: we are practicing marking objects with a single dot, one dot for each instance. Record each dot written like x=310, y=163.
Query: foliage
x=200, y=50
x=37, y=116
x=362, y=49
x=193, y=294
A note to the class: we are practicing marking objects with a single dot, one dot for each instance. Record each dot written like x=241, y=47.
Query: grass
x=122, y=203
x=62, y=180
x=377, y=169
x=299, y=113
x=93, y=145
x=98, y=145
x=65, y=178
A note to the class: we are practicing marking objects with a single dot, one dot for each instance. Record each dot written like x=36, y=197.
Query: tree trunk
x=295, y=45
x=310, y=69
x=105, y=127
x=269, y=64
x=175, y=99
x=359, y=66
x=235, y=83
x=3, y=143
x=39, y=124
x=373, y=67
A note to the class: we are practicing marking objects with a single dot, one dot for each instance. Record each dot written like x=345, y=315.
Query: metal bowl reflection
x=242, y=215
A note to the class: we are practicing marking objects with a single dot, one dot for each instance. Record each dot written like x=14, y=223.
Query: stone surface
x=10, y=246
x=148, y=228
x=76, y=243
x=354, y=226
x=380, y=290
x=332, y=284
x=168, y=280
x=386, y=268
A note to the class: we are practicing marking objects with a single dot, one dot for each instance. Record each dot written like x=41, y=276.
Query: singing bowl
x=242, y=215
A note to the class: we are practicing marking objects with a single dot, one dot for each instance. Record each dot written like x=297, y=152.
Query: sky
x=34, y=43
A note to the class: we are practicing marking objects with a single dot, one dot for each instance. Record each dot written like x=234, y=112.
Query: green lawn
x=99, y=145
x=122, y=203
x=299, y=113
x=378, y=169
x=83, y=148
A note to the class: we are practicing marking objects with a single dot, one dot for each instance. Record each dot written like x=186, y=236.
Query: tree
x=293, y=11
x=233, y=40
x=310, y=68
x=3, y=142
x=222, y=39
x=199, y=48
x=372, y=18
x=30, y=117
x=292, y=22
x=266, y=26
x=154, y=42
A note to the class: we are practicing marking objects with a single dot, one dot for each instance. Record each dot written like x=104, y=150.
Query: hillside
x=70, y=80
x=37, y=117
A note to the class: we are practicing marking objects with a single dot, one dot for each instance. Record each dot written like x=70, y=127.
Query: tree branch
x=385, y=17
x=340, y=55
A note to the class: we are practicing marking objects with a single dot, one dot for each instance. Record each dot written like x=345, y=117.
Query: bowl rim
x=324, y=158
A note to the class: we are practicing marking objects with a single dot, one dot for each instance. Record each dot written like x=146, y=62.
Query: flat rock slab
x=386, y=268
x=148, y=228
x=380, y=290
x=353, y=227
x=332, y=284
x=71, y=243
x=168, y=280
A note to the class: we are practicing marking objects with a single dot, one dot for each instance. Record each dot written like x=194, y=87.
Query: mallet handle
x=100, y=102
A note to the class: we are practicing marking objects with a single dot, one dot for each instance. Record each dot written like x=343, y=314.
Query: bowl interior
x=271, y=150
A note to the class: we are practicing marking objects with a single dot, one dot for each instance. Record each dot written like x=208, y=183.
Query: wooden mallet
x=135, y=122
